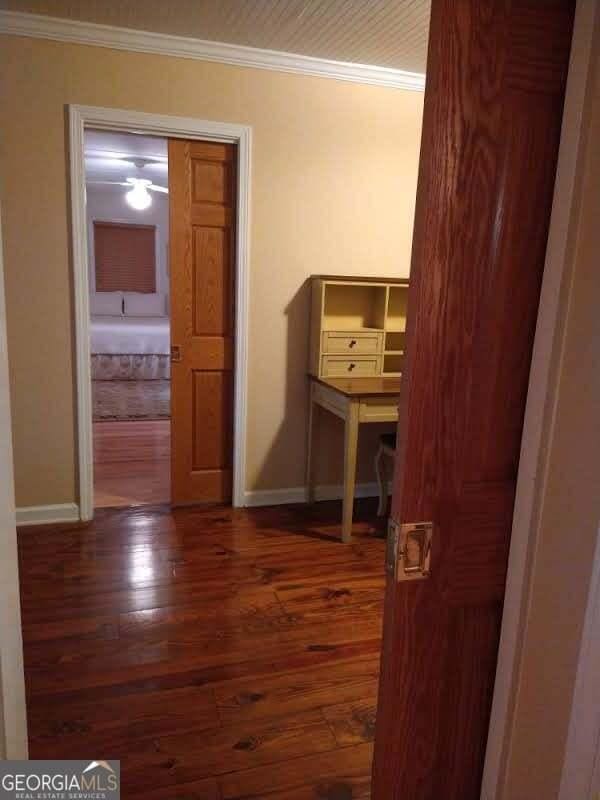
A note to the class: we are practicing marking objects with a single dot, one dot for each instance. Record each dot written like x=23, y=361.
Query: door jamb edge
x=541, y=400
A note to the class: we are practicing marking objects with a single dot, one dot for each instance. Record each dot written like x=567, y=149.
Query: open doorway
x=165, y=233
x=208, y=202
x=127, y=211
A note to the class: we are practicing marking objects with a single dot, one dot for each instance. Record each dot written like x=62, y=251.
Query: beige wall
x=334, y=180
x=570, y=504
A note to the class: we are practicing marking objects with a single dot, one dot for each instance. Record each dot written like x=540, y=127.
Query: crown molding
x=39, y=26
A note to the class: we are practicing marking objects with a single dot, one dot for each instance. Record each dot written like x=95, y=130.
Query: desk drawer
x=342, y=366
x=361, y=342
x=378, y=409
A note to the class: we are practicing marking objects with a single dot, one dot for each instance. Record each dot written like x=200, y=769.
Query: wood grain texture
x=364, y=387
x=212, y=392
x=212, y=263
x=218, y=653
x=132, y=462
x=201, y=257
x=492, y=117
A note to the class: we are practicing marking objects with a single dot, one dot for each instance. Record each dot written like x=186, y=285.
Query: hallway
x=231, y=653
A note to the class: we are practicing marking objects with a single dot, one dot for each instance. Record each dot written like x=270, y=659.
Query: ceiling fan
x=138, y=196
x=108, y=156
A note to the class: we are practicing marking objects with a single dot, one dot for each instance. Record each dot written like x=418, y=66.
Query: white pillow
x=106, y=304
x=138, y=304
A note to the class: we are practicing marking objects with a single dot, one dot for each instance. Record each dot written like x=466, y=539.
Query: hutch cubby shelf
x=358, y=326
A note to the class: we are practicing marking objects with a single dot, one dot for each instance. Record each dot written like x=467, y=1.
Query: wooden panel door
x=493, y=105
x=201, y=257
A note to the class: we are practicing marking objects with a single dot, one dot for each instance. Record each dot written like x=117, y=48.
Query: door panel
x=212, y=399
x=212, y=309
x=202, y=214
x=493, y=104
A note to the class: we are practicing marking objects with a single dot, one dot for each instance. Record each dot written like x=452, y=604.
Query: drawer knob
x=352, y=343
x=351, y=367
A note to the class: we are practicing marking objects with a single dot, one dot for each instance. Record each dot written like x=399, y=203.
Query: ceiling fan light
x=139, y=197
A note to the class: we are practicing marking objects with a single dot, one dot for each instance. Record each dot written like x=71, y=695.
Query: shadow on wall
x=289, y=443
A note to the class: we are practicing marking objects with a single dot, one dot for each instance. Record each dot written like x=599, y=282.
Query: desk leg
x=350, y=448
x=310, y=488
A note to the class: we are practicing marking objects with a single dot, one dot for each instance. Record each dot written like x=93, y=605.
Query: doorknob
x=175, y=352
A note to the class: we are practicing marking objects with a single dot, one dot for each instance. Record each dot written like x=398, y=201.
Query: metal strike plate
x=175, y=352
x=408, y=552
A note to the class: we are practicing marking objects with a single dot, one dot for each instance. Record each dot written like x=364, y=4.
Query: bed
x=130, y=367
x=139, y=335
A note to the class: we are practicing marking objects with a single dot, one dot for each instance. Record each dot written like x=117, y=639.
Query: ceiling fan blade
x=154, y=188
x=107, y=183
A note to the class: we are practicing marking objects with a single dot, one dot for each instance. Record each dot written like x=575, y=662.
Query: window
x=125, y=257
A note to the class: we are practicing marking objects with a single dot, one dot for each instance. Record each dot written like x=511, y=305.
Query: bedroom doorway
x=127, y=214
x=161, y=244
x=220, y=182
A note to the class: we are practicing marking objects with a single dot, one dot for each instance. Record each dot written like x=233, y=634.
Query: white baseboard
x=69, y=512
x=297, y=494
x=274, y=497
x=43, y=515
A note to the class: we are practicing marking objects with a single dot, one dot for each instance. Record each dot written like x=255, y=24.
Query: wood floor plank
x=110, y=725
x=132, y=462
x=336, y=774
x=147, y=572
x=190, y=648
x=366, y=591
x=103, y=599
x=353, y=722
x=182, y=759
x=348, y=789
x=120, y=683
x=206, y=789
x=218, y=653
x=79, y=628
x=270, y=696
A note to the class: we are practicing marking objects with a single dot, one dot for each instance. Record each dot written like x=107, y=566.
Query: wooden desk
x=356, y=401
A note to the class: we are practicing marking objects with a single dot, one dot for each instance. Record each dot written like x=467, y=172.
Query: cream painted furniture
x=357, y=333
x=386, y=452
x=355, y=401
x=358, y=326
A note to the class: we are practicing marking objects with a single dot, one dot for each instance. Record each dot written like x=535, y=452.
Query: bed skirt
x=131, y=386
x=128, y=400
x=132, y=367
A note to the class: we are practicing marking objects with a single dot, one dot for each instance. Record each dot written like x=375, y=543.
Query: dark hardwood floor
x=217, y=653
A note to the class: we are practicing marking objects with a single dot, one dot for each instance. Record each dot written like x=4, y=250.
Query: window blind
x=125, y=257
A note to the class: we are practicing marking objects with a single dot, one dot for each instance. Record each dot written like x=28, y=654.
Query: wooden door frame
x=581, y=768
x=540, y=414
x=13, y=714
x=126, y=121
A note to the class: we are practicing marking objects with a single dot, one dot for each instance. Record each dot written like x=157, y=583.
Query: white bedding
x=139, y=335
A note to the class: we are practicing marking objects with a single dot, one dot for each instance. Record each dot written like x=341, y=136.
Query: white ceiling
x=107, y=157
x=386, y=33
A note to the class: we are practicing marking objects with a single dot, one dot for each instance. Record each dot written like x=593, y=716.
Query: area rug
x=131, y=399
